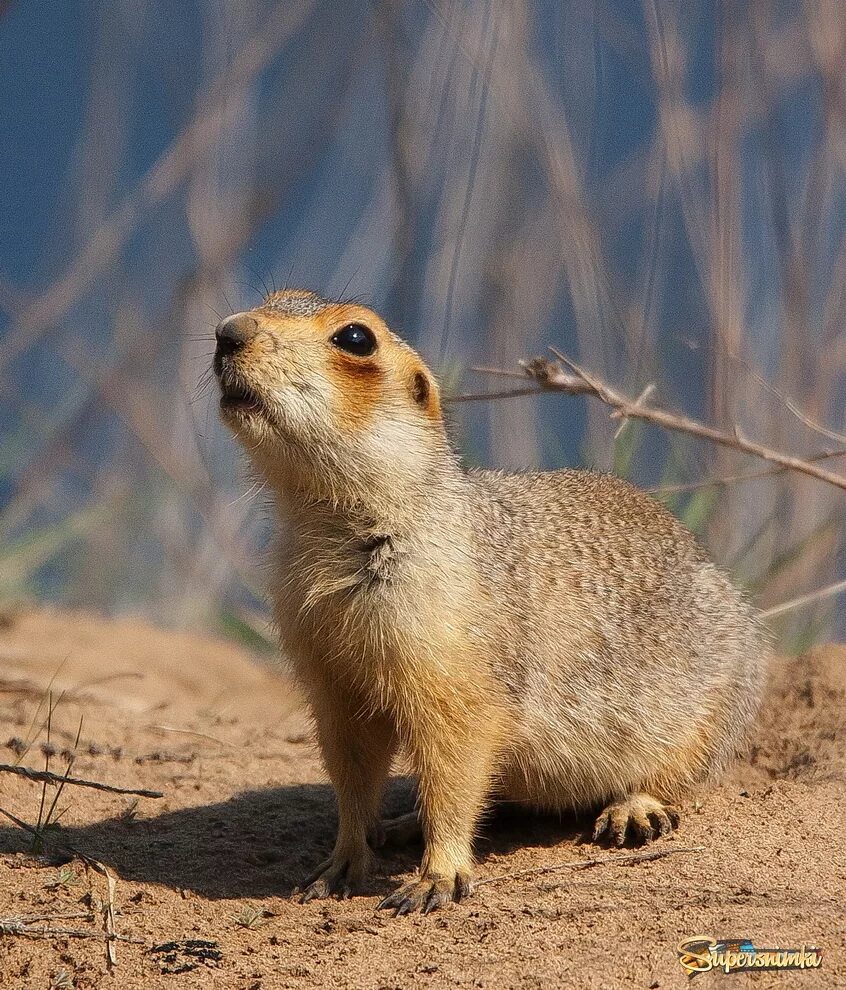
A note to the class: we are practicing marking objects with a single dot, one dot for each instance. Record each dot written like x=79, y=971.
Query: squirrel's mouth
x=237, y=396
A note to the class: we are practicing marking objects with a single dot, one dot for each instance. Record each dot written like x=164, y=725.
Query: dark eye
x=355, y=338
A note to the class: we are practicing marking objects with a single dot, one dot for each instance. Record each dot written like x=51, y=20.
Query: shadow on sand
x=263, y=843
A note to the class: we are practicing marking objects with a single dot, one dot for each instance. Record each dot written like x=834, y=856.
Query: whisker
x=255, y=274
x=250, y=494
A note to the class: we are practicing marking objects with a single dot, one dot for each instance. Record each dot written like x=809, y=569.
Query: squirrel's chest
x=344, y=596
x=378, y=618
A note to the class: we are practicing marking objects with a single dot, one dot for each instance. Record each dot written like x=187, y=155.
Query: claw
x=426, y=895
x=639, y=818
x=333, y=876
x=601, y=825
x=463, y=886
x=660, y=822
x=435, y=900
x=313, y=892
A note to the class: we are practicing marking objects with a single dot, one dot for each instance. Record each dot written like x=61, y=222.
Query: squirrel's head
x=326, y=392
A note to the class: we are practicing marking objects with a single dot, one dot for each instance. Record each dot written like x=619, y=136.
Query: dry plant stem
x=639, y=401
x=511, y=393
x=584, y=864
x=486, y=369
x=92, y=864
x=12, y=926
x=551, y=375
x=812, y=423
x=109, y=914
x=187, y=732
x=53, y=916
x=791, y=405
x=53, y=778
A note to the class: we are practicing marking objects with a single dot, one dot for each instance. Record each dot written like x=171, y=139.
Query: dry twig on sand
x=54, y=778
x=585, y=864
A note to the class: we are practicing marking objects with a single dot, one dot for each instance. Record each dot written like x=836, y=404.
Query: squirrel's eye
x=355, y=338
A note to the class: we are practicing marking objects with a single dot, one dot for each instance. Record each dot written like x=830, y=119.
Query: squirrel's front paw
x=428, y=893
x=340, y=875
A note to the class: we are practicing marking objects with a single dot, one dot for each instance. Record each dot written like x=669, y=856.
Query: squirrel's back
x=622, y=643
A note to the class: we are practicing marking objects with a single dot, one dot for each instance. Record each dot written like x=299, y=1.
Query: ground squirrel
x=557, y=638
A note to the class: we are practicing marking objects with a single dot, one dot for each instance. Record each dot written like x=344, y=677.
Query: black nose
x=233, y=332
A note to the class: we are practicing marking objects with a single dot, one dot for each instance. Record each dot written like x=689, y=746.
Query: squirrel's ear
x=425, y=394
x=421, y=389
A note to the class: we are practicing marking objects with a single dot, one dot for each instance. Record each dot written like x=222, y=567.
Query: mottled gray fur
x=297, y=304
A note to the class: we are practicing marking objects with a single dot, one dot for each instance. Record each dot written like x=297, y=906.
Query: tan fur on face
x=292, y=351
x=360, y=381
x=554, y=638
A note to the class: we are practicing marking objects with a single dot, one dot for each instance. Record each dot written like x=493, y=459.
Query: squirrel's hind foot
x=405, y=830
x=638, y=819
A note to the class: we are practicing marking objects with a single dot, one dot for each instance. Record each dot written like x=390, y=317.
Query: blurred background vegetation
x=656, y=188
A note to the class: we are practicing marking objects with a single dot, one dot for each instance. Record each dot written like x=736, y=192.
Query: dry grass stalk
x=17, y=926
x=731, y=479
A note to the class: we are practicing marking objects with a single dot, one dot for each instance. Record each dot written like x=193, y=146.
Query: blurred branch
x=792, y=406
x=799, y=602
x=511, y=393
x=731, y=479
x=550, y=375
x=166, y=174
x=12, y=299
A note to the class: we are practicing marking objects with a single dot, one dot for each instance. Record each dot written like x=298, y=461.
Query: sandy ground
x=204, y=873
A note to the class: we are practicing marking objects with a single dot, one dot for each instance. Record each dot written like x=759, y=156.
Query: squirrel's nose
x=234, y=332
